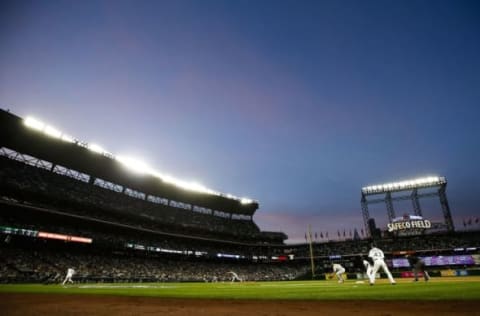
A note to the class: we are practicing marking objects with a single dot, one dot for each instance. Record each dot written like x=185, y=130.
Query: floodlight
x=52, y=132
x=404, y=185
x=193, y=186
x=34, y=123
x=130, y=163
x=135, y=165
x=210, y=191
x=95, y=148
x=245, y=201
x=68, y=138
x=156, y=174
x=169, y=179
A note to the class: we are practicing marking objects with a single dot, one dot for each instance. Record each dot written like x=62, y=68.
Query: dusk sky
x=297, y=104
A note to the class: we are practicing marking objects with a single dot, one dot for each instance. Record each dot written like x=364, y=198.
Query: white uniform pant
x=339, y=274
x=377, y=264
x=369, y=270
x=68, y=278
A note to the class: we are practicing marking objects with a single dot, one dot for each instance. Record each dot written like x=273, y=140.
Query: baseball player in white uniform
x=235, y=277
x=338, y=270
x=378, y=262
x=68, y=278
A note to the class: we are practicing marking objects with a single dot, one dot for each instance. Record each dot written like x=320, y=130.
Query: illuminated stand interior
x=411, y=186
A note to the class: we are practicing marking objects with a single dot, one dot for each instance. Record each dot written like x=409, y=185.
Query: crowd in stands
x=49, y=266
x=422, y=243
x=112, y=236
x=27, y=259
x=40, y=187
x=107, y=259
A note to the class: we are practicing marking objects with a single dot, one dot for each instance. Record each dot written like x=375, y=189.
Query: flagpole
x=311, y=251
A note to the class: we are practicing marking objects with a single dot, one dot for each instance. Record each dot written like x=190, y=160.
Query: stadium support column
x=366, y=215
x=416, y=203
x=445, y=208
x=388, y=201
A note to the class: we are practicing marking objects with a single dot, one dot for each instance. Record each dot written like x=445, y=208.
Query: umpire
x=418, y=265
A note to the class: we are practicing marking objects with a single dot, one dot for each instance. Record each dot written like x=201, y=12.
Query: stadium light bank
x=404, y=185
x=132, y=164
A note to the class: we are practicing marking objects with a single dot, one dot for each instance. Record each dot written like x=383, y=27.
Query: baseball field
x=440, y=296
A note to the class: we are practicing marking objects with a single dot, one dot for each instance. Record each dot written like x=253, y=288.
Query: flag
x=344, y=233
x=326, y=234
x=470, y=221
x=362, y=231
x=476, y=220
x=464, y=223
x=350, y=233
x=315, y=235
x=321, y=234
x=338, y=233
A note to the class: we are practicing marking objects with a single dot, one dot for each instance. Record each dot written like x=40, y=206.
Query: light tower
x=411, y=186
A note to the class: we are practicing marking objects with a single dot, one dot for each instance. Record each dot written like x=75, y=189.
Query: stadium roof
x=34, y=138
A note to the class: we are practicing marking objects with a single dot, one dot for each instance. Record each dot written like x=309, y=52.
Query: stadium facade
x=97, y=177
x=68, y=204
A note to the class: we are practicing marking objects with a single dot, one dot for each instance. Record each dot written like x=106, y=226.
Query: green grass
x=437, y=289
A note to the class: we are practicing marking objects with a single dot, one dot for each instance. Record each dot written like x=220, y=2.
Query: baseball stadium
x=135, y=241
